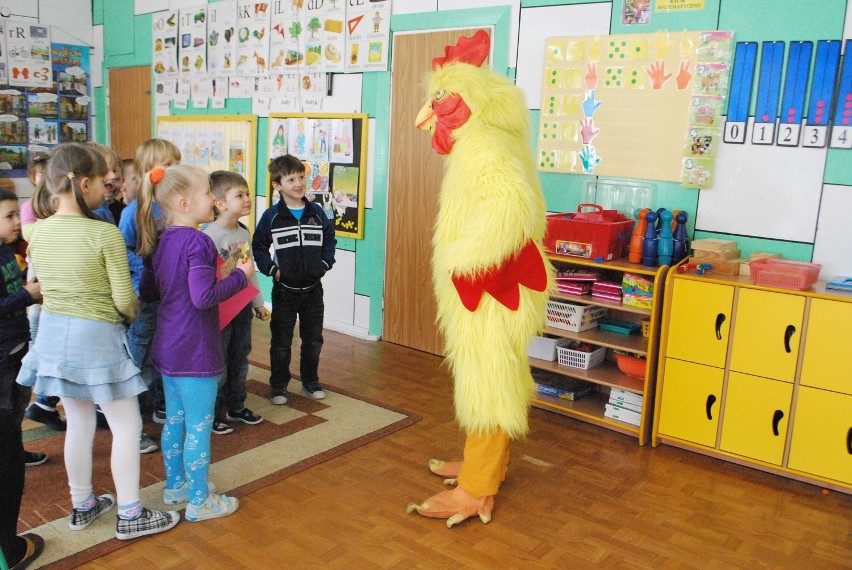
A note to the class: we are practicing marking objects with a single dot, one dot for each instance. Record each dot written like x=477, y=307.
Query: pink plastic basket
x=783, y=273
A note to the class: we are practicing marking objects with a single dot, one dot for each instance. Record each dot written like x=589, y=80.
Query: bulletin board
x=635, y=105
x=215, y=143
x=333, y=147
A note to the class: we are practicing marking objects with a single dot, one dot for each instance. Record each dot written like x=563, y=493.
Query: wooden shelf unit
x=606, y=375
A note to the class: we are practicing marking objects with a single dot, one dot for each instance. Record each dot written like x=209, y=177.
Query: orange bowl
x=631, y=365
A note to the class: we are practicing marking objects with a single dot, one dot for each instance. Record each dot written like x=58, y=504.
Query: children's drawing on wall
x=344, y=197
x=217, y=145
x=202, y=147
x=296, y=137
x=317, y=140
x=317, y=179
x=237, y=157
x=278, y=140
x=341, y=141
x=635, y=12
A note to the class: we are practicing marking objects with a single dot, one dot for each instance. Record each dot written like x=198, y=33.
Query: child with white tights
x=80, y=352
x=180, y=270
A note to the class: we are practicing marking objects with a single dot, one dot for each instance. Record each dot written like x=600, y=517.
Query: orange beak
x=426, y=118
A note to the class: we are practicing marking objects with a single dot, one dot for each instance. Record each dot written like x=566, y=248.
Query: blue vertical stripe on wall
x=843, y=114
x=742, y=78
x=769, y=84
x=822, y=84
x=796, y=83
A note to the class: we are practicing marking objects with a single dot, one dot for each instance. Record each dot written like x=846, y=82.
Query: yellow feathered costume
x=490, y=277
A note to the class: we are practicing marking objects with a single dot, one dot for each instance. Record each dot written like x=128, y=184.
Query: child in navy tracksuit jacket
x=303, y=240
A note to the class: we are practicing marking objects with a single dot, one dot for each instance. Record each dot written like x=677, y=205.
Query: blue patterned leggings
x=186, y=434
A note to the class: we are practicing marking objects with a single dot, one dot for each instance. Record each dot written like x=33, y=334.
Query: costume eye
x=439, y=94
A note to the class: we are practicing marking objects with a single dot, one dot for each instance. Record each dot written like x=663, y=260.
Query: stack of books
x=624, y=406
x=607, y=290
x=560, y=386
x=573, y=281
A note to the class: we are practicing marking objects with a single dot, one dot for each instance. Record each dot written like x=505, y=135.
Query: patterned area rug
x=291, y=438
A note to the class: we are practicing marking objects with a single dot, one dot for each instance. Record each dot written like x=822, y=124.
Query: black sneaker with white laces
x=80, y=519
x=47, y=417
x=33, y=458
x=149, y=522
x=245, y=415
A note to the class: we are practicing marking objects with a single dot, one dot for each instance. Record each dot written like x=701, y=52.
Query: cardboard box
x=642, y=301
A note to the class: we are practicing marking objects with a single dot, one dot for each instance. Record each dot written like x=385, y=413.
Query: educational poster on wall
x=28, y=55
x=368, y=36
x=333, y=148
x=635, y=12
x=324, y=37
x=252, y=38
x=634, y=105
x=4, y=76
x=221, y=38
x=35, y=119
x=192, y=30
x=164, y=32
x=285, y=43
x=285, y=98
x=678, y=5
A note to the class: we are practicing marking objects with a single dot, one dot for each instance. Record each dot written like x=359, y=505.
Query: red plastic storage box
x=603, y=234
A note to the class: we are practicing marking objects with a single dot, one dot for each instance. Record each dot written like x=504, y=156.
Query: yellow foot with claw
x=455, y=505
x=450, y=469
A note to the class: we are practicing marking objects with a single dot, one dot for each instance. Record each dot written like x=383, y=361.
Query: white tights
x=126, y=426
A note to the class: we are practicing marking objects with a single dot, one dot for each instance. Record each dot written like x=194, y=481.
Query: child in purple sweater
x=180, y=271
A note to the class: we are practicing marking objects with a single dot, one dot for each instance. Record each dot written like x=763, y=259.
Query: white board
x=537, y=24
x=764, y=191
x=831, y=248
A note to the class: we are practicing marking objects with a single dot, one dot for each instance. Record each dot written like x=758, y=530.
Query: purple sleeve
x=204, y=291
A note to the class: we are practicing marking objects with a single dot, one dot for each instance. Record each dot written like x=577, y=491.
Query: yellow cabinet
x=691, y=401
x=822, y=434
x=767, y=332
x=700, y=318
x=757, y=412
x=827, y=349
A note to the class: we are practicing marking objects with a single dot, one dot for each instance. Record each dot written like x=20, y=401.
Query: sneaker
x=33, y=458
x=214, y=507
x=81, y=519
x=245, y=415
x=146, y=444
x=221, y=428
x=149, y=522
x=35, y=546
x=51, y=419
x=314, y=391
x=279, y=398
x=178, y=496
x=159, y=416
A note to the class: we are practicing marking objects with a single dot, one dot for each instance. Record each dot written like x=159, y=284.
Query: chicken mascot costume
x=490, y=276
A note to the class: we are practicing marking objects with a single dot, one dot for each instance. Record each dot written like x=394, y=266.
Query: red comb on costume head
x=472, y=50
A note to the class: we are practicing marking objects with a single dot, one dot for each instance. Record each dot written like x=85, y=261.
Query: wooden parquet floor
x=576, y=496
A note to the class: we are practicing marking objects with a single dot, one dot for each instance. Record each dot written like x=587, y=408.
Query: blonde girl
x=151, y=153
x=180, y=272
x=79, y=353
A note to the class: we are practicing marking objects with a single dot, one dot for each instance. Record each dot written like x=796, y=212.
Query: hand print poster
x=333, y=147
x=634, y=105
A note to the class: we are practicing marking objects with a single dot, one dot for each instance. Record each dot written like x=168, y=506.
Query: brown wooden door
x=129, y=109
x=413, y=185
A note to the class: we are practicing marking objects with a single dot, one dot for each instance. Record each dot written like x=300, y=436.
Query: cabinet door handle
x=791, y=330
x=849, y=441
x=711, y=399
x=720, y=318
x=776, y=419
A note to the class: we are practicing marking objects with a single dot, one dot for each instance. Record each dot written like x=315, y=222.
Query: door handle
x=711, y=399
x=720, y=318
x=791, y=330
x=849, y=441
x=776, y=419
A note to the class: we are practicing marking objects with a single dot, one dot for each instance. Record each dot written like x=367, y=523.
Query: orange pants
x=486, y=458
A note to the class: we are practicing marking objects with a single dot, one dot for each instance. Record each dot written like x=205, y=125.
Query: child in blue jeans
x=180, y=270
x=232, y=240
